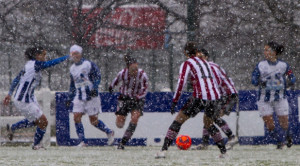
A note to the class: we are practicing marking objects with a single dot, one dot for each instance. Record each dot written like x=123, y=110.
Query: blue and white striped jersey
x=85, y=77
x=271, y=77
x=29, y=78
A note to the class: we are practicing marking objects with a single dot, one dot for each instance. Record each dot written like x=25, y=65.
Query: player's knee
x=120, y=125
x=175, y=126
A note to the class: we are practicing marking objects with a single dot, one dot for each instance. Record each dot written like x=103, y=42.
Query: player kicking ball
x=24, y=99
x=85, y=79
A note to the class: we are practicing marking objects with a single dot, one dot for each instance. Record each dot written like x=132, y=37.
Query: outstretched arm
x=39, y=65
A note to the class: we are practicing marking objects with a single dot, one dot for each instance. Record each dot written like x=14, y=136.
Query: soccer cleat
x=233, y=140
x=289, y=142
x=82, y=144
x=160, y=154
x=38, y=147
x=280, y=146
x=120, y=147
x=200, y=147
x=223, y=155
x=110, y=137
x=10, y=133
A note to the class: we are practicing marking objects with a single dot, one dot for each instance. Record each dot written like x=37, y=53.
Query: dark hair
x=203, y=51
x=31, y=52
x=276, y=47
x=129, y=60
x=190, y=48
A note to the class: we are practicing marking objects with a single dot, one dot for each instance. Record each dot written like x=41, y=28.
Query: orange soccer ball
x=183, y=142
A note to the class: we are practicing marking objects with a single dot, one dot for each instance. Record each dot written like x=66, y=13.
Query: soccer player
x=85, y=79
x=229, y=98
x=24, y=99
x=205, y=97
x=271, y=76
x=132, y=98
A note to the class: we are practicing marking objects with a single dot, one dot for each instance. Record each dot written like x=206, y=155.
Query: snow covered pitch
x=144, y=156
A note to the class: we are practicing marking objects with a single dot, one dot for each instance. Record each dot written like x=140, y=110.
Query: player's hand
x=110, y=89
x=93, y=93
x=7, y=100
x=68, y=103
x=173, y=108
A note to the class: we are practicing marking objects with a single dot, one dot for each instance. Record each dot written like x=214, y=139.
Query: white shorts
x=91, y=107
x=31, y=111
x=281, y=107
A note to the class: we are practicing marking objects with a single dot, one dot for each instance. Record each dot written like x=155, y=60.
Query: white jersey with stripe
x=132, y=86
x=200, y=73
x=29, y=79
x=225, y=83
x=84, y=78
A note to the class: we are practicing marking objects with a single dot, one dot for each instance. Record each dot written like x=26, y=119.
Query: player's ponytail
x=276, y=47
x=29, y=53
x=129, y=60
x=190, y=48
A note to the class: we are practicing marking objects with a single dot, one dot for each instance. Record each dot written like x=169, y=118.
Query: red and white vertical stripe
x=225, y=83
x=200, y=74
x=132, y=86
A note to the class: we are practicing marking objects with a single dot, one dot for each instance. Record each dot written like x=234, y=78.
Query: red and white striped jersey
x=200, y=73
x=226, y=85
x=132, y=86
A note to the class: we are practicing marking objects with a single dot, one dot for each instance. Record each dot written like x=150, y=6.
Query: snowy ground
x=144, y=156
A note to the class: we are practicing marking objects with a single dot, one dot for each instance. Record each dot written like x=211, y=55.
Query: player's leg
x=205, y=138
x=42, y=124
x=135, y=115
x=212, y=112
x=282, y=111
x=79, y=128
x=25, y=123
x=93, y=108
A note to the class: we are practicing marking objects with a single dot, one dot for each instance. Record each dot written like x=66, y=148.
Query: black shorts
x=228, y=102
x=193, y=106
x=127, y=105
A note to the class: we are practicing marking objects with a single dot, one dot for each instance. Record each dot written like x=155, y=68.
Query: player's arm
x=115, y=81
x=255, y=76
x=183, y=76
x=40, y=65
x=290, y=75
x=144, y=88
x=95, y=77
x=72, y=89
x=13, y=85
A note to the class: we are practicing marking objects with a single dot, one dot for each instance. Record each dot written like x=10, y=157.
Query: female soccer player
x=85, y=79
x=229, y=98
x=271, y=76
x=132, y=98
x=24, y=98
x=205, y=97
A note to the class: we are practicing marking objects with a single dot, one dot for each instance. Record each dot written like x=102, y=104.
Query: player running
x=24, y=99
x=271, y=76
x=85, y=79
x=132, y=98
x=205, y=97
x=229, y=98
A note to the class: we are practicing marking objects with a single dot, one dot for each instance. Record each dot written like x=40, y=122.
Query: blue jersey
x=271, y=77
x=29, y=78
x=85, y=77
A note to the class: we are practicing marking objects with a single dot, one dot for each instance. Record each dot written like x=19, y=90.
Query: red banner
x=131, y=27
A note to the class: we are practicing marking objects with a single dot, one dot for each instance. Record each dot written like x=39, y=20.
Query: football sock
x=103, y=127
x=22, y=124
x=205, y=137
x=224, y=126
x=128, y=133
x=38, y=136
x=80, y=131
x=171, y=134
x=217, y=137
